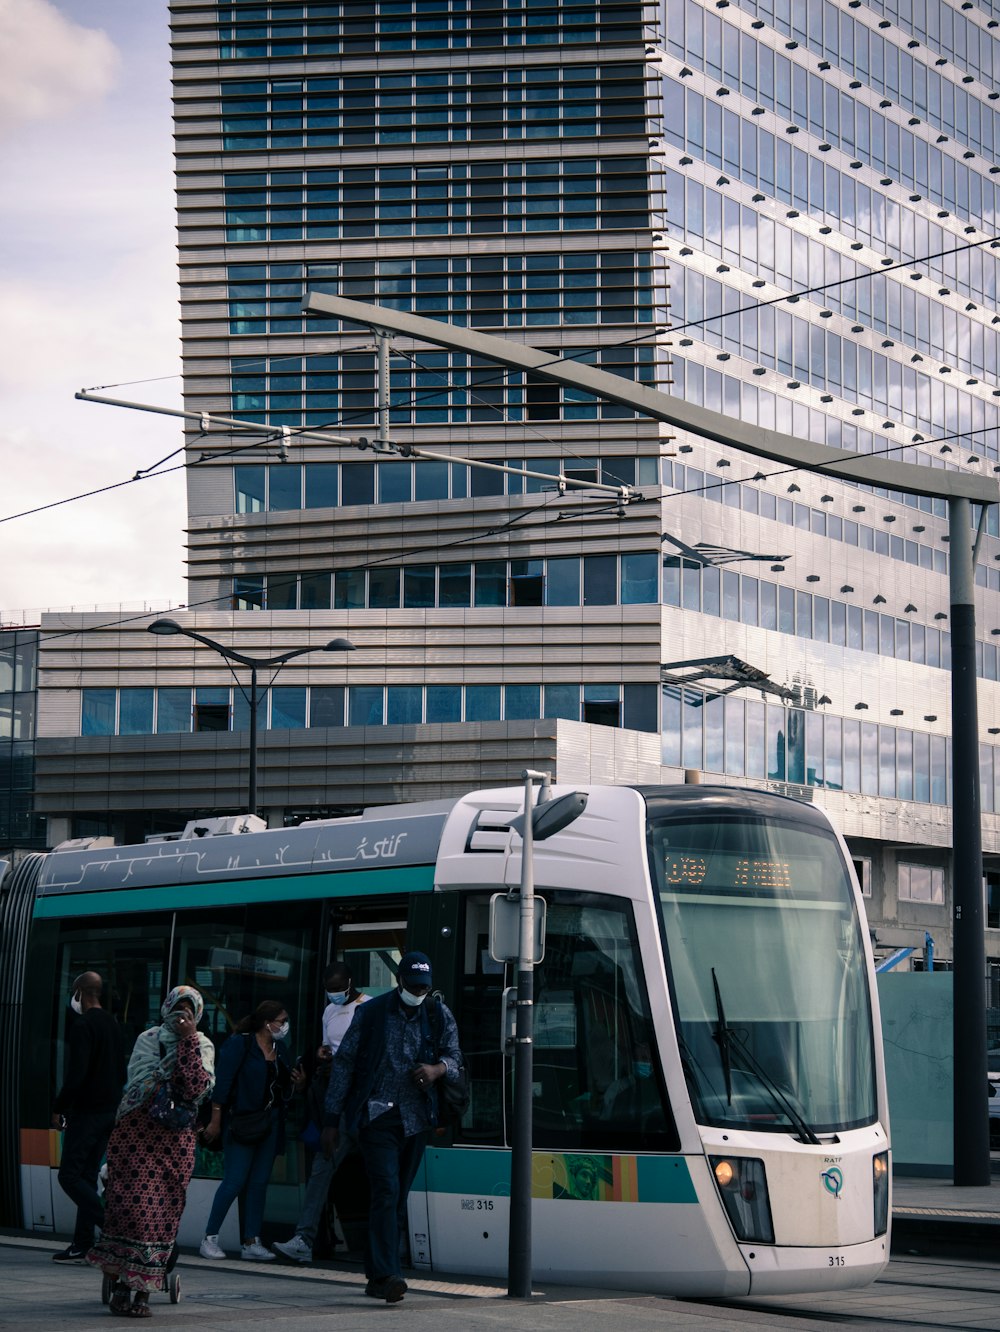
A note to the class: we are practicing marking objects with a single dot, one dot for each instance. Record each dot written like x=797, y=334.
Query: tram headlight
x=880, y=1191
x=742, y=1187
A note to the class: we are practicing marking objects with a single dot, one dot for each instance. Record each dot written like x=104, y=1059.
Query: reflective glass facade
x=19, y=826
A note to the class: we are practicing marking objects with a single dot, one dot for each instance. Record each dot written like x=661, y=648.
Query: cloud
x=49, y=65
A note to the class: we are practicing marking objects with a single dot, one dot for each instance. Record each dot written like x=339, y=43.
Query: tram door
x=370, y=940
x=371, y=948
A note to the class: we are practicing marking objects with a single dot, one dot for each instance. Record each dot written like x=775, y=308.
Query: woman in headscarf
x=149, y=1163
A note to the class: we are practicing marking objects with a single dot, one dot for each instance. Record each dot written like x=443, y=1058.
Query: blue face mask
x=337, y=999
x=643, y=1070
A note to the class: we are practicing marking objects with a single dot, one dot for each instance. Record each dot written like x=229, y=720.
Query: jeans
x=323, y=1170
x=392, y=1161
x=85, y=1140
x=249, y=1167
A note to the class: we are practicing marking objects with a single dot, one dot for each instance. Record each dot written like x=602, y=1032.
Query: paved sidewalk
x=233, y=1296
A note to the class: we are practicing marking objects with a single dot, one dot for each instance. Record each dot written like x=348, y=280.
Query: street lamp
x=170, y=627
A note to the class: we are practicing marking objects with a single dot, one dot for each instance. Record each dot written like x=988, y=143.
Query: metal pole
x=382, y=356
x=519, y=1238
x=253, y=740
x=971, y=1124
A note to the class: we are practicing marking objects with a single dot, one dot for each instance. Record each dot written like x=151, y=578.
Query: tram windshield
x=767, y=972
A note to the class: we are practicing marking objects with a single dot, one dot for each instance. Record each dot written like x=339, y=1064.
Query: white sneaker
x=256, y=1252
x=297, y=1248
x=210, y=1248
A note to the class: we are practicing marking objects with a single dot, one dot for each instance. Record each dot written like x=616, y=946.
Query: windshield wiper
x=723, y=1036
x=728, y=1042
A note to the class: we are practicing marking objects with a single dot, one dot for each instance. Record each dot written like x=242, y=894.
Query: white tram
x=709, y=1094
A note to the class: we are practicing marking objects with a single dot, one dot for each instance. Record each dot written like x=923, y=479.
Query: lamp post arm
x=216, y=647
x=252, y=662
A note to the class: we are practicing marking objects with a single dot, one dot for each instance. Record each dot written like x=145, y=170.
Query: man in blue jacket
x=383, y=1080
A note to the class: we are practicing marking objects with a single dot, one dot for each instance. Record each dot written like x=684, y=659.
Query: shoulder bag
x=454, y=1097
x=165, y=1109
x=250, y=1127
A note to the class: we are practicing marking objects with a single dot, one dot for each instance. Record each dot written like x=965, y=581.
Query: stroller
x=173, y=1281
x=173, y=1278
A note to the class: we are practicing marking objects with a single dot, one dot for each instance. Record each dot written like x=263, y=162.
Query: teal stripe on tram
x=486, y=1173
x=665, y=1179
x=237, y=892
x=482, y=1172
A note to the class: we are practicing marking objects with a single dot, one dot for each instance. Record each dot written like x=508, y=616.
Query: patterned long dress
x=149, y=1169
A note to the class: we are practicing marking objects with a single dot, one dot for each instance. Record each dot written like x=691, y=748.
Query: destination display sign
x=726, y=872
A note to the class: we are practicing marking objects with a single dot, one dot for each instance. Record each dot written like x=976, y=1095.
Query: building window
x=173, y=710
x=404, y=705
x=991, y=889
x=326, y=705
x=482, y=703
x=98, y=716
x=365, y=705
x=211, y=709
x=248, y=592
x=522, y=702
x=863, y=869
x=135, y=711
x=602, y=704
x=288, y=707
x=921, y=883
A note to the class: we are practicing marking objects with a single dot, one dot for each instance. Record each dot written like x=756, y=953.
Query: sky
x=88, y=296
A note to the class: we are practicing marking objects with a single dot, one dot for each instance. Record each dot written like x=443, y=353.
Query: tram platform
x=934, y=1216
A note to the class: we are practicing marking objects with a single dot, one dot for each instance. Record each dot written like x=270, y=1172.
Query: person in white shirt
x=343, y=1001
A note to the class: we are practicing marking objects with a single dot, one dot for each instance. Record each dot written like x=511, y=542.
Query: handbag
x=165, y=1109
x=172, y=1114
x=251, y=1126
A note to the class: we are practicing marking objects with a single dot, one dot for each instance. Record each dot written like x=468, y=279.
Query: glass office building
x=20, y=828
x=782, y=212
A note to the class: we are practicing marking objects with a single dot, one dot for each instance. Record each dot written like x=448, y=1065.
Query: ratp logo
x=833, y=1181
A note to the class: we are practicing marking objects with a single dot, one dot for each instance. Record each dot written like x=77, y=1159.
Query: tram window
x=132, y=960
x=237, y=958
x=746, y=895
x=597, y=1077
x=131, y=955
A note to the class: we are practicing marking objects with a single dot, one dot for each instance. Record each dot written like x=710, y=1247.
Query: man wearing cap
x=383, y=1081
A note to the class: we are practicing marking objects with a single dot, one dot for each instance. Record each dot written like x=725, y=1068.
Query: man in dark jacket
x=86, y=1105
x=382, y=1080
